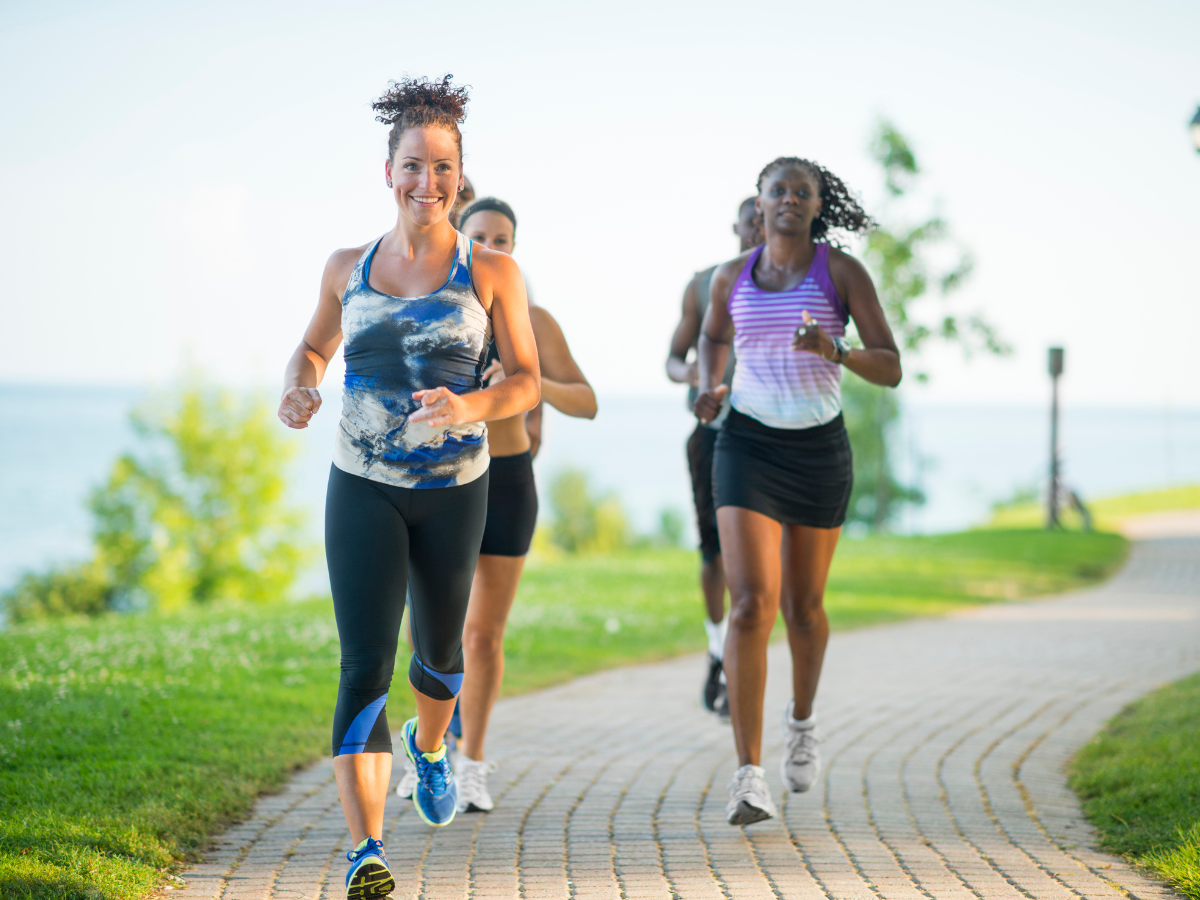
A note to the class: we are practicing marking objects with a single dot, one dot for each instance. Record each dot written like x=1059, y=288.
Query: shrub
x=584, y=523
x=196, y=514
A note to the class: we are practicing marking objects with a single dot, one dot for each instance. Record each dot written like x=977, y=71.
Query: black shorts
x=382, y=543
x=795, y=476
x=700, y=464
x=512, y=506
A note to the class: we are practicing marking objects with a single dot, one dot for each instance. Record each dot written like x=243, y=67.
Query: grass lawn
x=126, y=741
x=1108, y=512
x=1139, y=780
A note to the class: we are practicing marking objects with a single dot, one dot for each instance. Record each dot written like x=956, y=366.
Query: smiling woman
x=408, y=487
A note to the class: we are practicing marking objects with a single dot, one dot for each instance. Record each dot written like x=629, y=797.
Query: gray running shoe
x=749, y=797
x=408, y=781
x=801, y=760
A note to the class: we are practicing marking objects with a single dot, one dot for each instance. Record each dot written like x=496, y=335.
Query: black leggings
x=380, y=541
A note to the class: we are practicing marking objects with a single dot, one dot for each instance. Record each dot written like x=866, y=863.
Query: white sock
x=803, y=723
x=716, y=637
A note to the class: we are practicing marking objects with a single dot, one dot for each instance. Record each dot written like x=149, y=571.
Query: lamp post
x=1056, y=369
x=1195, y=129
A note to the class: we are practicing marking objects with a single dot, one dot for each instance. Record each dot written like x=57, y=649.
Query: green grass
x=1139, y=780
x=126, y=741
x=1107, y=512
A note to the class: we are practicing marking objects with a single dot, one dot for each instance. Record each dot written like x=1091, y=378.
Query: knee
x=804, y=612
x=482, y=642
x=751, y=611
x=369, y=668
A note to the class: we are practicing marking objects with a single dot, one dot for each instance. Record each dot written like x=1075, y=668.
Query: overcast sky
x=174, y=176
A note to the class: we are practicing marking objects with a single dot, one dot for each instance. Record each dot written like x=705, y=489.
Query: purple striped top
x=779, y=386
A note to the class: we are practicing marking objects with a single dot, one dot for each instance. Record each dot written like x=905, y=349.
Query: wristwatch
x=842, y=346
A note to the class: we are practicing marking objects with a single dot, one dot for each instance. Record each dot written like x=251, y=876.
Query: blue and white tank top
x=779, y=386
x=395, y=346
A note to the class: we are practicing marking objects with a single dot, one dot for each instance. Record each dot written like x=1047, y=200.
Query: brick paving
x=944, y=744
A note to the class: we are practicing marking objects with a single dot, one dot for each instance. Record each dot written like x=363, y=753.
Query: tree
x=903, y=258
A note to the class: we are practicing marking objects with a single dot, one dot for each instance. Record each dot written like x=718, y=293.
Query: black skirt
x=795, y=476
x=512, y=506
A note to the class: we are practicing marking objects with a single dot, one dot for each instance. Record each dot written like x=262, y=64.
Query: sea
x=58, y=442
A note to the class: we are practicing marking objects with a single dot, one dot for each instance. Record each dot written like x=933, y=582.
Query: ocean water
x=58, y=442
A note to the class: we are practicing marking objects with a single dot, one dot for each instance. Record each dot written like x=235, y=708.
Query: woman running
x=511, y=515
x=782, y=464
x=407, y=496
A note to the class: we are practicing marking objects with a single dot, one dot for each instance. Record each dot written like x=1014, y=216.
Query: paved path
x=944, y=744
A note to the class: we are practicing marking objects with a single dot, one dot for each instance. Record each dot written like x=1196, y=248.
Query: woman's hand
x=708, y=405
x=812, y=338
x=493, y=374
x=440, y=407
x=298, y=405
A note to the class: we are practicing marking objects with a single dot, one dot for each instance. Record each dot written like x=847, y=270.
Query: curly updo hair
x=840, y=209
x=419, y=102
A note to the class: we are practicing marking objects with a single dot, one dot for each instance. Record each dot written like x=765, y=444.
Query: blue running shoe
x=436, y=794
x=369, y=877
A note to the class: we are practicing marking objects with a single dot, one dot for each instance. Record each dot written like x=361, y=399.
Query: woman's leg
x=807, y=555
x=445, y=529
x=366, y=545
x=492, y=595
x=750, y=549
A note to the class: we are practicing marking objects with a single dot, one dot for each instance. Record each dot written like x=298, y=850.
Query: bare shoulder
x=340, y=265
x=545, y=326
x=492, y=266
x=843, y=264
x=726, y=274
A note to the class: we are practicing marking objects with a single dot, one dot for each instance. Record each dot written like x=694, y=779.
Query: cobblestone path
x=944, y=744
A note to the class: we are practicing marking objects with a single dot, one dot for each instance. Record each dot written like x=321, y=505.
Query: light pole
x=1056, y=369
x=1195, y=129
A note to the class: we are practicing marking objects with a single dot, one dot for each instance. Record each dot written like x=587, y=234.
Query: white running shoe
x=408, y=781
x=749, y=797
x=472, y=776
x=801, y=760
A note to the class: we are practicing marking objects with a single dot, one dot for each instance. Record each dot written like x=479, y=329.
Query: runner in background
x=700, y=456
x=511, y=517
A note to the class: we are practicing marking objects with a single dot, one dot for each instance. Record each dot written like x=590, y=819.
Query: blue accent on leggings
x=360, y=729
x=453, y=683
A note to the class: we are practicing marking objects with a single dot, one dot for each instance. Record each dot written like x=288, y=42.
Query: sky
x=173, y=176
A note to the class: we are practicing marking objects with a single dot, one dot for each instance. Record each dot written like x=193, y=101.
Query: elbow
x=592, y=407
x=896, y=377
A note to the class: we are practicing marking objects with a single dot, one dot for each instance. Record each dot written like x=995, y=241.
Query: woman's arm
x=306, y=368
x=498, y=280
x=878, y=360
x=684, y=339
x=563, y=383
x=716, y=334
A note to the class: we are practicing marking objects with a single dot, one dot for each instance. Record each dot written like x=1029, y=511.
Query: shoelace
x=373, y=846
x=802, y=744
x=474, y=775
x=740, y=777
x=434, y=775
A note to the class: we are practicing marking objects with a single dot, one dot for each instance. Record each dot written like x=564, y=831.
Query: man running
x=700, y=456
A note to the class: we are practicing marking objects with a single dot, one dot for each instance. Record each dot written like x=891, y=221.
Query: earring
x=460, y=187
x=389, y=184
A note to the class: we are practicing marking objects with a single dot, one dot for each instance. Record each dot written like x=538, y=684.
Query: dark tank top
x=398, y=345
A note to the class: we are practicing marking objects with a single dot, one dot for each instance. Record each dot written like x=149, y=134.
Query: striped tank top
x=398, y=345
x=779, y=386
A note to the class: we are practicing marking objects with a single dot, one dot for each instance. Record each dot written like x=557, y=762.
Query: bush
x=77, y=590
x=197, y=514
x=584, y=523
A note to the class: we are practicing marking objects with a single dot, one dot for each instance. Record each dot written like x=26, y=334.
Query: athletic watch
x=842, y=346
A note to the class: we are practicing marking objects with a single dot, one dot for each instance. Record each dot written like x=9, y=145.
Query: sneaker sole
x=745, y=814
x=370, y=882
x=417, y=806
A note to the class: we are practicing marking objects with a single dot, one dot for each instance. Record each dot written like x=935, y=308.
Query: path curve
x=944, y=744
